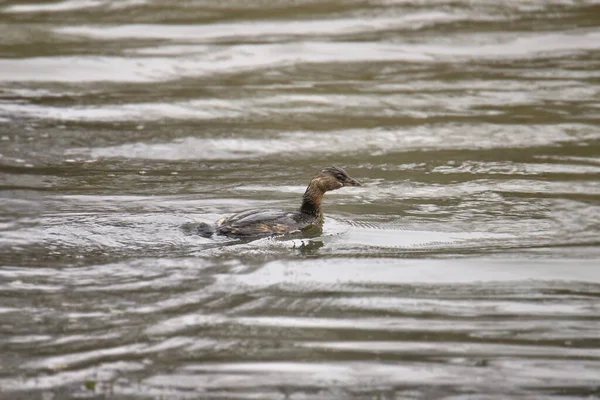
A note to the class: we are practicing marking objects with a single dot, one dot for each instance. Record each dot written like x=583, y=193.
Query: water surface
x=465, y=267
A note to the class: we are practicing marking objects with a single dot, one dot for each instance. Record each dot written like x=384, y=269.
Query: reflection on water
x=464, y=267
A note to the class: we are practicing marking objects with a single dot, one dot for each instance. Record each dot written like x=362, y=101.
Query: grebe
x=261, y=223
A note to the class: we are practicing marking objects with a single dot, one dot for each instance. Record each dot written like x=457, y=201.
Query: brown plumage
x=260, y=223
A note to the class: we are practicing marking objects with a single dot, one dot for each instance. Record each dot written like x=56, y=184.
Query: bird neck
x=311, y=201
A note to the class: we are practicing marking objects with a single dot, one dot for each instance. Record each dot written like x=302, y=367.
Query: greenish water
x=465, y=267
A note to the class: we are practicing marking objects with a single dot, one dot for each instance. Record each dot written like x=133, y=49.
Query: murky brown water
x=466, y=267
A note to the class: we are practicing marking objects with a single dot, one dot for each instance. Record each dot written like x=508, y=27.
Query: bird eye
x=340, y=177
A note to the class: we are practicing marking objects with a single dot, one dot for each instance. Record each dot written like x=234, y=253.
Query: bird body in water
x=261, y=223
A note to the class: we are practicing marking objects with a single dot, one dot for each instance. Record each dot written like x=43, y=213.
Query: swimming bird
x=261, y=223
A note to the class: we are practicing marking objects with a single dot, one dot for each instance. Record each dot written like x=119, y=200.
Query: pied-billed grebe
x=260, y=223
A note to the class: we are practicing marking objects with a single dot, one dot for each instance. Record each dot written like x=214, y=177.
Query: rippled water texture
x=466, y=267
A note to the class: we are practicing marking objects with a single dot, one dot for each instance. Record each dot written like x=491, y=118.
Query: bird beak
x=351, y=182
